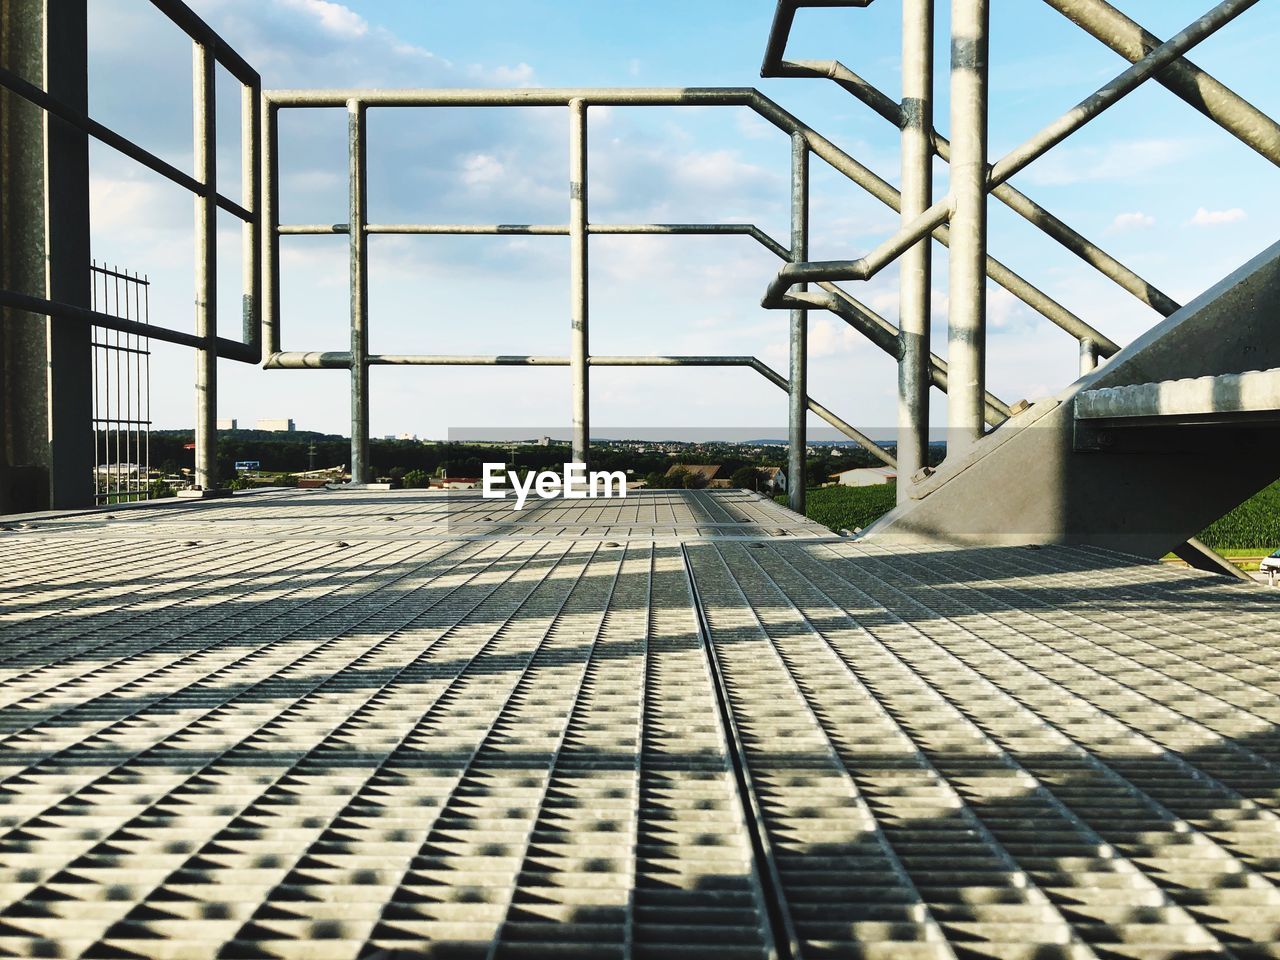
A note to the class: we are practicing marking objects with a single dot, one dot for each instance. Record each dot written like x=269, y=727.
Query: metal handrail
x=358, y=229
x=974, y=178
x=772, y=112
x=208, y=50
x=805, y=141
x=1012, y=163
x=341, y=360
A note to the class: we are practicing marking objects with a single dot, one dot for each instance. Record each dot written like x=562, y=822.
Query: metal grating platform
x=286, y=726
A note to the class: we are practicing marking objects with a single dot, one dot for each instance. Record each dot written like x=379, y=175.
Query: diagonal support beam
x=1006, y=193
x=1183, y=78
x=1014, y=161
x=886, y=336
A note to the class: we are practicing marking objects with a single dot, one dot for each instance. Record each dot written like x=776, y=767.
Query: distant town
x=275, y=453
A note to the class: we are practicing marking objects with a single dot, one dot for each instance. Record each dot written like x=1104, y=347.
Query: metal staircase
x=1124, y=457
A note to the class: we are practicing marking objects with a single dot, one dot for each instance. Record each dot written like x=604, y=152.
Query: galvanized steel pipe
x=916, y=268
x=359, y=279
x=1215, y=100
x=970, y=20
x=579, y=293
x=204, y=111
x=798, y=393
x=1111, y=94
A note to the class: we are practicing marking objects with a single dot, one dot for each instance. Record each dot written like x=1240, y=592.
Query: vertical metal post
x=1088, y=356
x=251, y=189
x=270, y=302
x=578, y=283
x=798, y=396
x=67, y=277
x=359, y=279
x=206, y=273
x=915, y=314
x=966, y=376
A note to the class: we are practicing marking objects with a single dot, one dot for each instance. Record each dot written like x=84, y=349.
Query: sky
x=1154, y=182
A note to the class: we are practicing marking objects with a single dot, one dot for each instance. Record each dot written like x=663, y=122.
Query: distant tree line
x=290, y=453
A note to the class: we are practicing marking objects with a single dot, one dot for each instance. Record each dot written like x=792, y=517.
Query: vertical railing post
x=578, y=283
x=270, y=229
x=966, y=376
x=206, y=272
x=917, y=263
x=252, y=232
x=798, y=395
x=1088, y=356
x=359, y=279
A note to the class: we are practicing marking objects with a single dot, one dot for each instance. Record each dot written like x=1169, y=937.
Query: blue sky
x=1157, y=184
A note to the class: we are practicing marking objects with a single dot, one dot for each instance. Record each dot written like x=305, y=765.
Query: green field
x=848, y=508
x=1254, y=525
x=1251, y=528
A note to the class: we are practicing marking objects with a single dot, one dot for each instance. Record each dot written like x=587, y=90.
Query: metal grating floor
x=284, y=726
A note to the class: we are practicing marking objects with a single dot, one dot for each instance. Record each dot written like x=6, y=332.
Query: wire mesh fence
x=121, y=388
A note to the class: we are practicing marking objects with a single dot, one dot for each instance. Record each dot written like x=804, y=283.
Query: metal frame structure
x=960, y=219
x=121, y=388
x=804, y=142
x=208, y=52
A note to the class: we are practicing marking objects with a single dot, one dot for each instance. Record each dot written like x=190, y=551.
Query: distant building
x=708, y=471
x=866, y=477
x=279, y=425
x=407, y=436
x=456, y=483
x=774, y=479
x=228, y=424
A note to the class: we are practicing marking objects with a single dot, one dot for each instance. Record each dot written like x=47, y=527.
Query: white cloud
x=521, y=75
x=1136, y=220
x=1117, y=161
x=334, y=17
x=482, y=168
x=1212, y=218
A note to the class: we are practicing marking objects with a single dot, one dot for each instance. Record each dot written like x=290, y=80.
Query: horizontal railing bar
x=33, y=94
x=139, y=279
x=312, y=229
x=1006, y=193
x=469, y=229
x=542, y=230
x=195, y=28
x=341, y=360
x=227, y=349
x=119, y=348
x=517, y=97
x=694, y=229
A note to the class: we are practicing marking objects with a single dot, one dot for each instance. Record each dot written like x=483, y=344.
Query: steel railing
x=804, y=142
x=959, y=219
x=208, y=51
